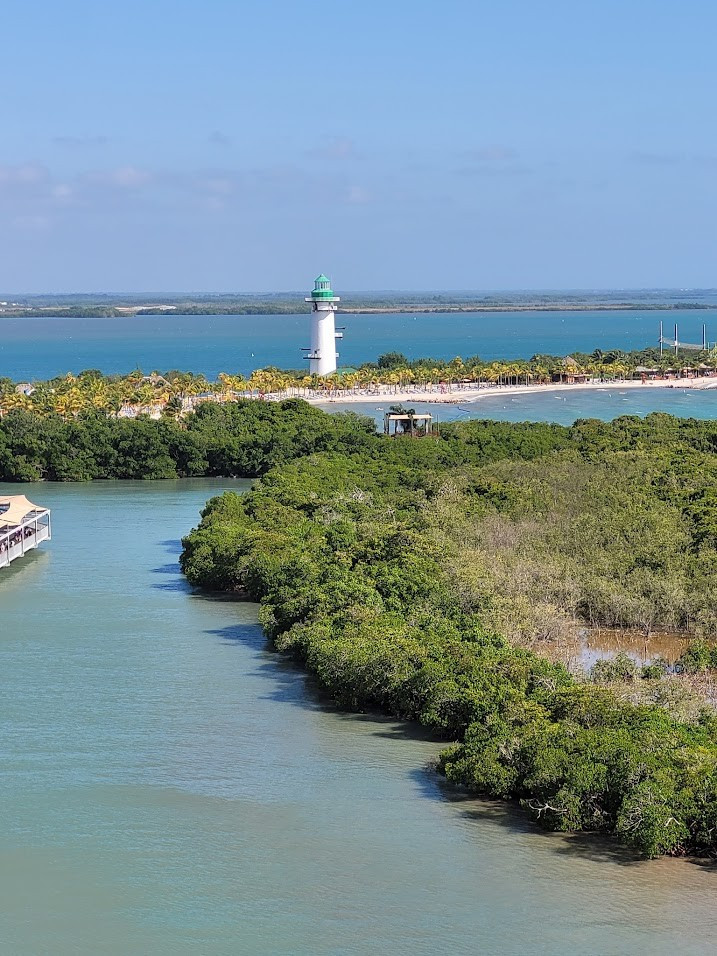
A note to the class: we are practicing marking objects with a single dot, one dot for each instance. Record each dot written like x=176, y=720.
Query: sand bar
x=455, y=394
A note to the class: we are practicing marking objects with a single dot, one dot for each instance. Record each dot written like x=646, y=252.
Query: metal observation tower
x=322, y=354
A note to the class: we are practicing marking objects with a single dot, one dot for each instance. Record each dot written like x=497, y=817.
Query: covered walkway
x=23, y=525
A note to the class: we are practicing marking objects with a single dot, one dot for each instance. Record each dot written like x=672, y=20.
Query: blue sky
x=233, y=146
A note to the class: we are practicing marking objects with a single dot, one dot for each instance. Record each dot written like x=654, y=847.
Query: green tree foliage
x=700, y=656
x=238, y=439
x=414, y=576
x=390, y=360
x=377, y=569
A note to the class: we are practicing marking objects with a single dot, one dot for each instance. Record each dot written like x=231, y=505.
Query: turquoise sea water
x=42, y=348
x=563, y=407
x=169, y=786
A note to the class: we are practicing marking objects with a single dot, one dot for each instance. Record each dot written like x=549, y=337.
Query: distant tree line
x=238, y=439
x=108, y=306
x=72, y=395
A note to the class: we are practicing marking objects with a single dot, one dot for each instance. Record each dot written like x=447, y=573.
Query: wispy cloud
x=217, y=138
x=649, y=158
x=488, y=170
x=63, y=192
x=122, y=177
x=221, y=184
x=339, y=148
x=666, y=158
x=32, y=222
x=492, y=160
x=26, y=174
x=80, y=142
x=358, y=196
x=33, y=198
x=490, y=154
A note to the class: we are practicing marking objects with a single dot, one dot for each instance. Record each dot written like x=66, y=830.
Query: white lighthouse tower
x=322, y=355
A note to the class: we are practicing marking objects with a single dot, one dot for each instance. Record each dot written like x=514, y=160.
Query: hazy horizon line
x=293, y=292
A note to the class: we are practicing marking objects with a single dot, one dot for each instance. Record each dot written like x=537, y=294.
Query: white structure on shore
x=23, y=526
x=322, y=355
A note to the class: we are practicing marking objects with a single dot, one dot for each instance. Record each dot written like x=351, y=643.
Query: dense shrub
x=378, y=571
x=238, y=439
x=406, y=574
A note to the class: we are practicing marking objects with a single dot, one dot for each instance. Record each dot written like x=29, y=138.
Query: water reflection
x=593, y=644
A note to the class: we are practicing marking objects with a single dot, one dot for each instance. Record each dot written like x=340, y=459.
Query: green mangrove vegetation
x=428, y=578
x=421, y=578
x=237, y=439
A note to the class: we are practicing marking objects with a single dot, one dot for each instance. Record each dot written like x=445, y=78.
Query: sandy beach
x=456, y=394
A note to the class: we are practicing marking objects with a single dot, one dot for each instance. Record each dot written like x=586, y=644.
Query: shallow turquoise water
x=171, y=787
x=563, y=407
x=42, y=348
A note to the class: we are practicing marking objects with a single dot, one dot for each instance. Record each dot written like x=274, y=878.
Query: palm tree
x=264, y=380
x=172, y=408
x=69, y=403
x=540, y=372
x=224, y=383
x=97, y=394
x=12, y=401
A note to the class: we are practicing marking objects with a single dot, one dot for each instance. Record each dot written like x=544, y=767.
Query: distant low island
x=292, y=303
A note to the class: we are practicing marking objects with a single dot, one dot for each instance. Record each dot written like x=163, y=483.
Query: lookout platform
x=23, y=526
x=407, y=423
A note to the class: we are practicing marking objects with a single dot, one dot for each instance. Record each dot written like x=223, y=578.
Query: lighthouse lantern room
x=322, y=355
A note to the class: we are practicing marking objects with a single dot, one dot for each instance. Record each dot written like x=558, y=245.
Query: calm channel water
x=171, y=787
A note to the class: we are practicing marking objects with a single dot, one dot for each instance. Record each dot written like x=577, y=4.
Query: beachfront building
x=647, y=374
x=23, y=526
x=322, y=353
x=570, y=373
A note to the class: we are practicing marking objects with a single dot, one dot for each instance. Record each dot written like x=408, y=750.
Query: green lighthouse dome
x=322, y=288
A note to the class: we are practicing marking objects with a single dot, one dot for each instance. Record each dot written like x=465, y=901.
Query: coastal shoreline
x=408, y=309
x=455, y=395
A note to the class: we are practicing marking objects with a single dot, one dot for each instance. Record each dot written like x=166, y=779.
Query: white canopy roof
x=15, y=508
